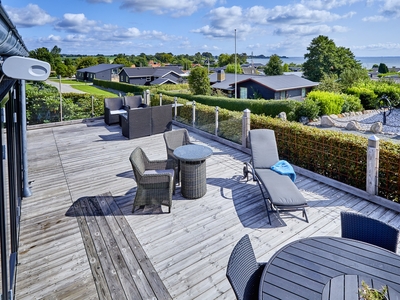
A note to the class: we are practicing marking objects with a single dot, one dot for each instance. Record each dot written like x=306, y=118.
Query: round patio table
x=193, y=169
x=306, y=268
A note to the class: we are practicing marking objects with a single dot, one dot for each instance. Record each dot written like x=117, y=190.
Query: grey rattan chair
x=243, y=271
x=360, y=227
x=109, y=105
x=155, y=180
x=174, y=139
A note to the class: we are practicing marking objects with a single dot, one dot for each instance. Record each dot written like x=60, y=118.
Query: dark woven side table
x=193, y=169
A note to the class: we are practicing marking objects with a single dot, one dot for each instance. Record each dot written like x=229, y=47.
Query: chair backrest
x=176, y=138
x=264, y=151
x=243, y=271
x=137, y=159
x=133, y=101
x=359, y=227
x=113, y=103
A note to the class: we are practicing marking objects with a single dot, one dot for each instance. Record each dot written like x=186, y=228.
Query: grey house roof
x=229, y=79
x=100, y=68
x=277, y=83
x=155, y=72
x=282, y=82
x=162, y=81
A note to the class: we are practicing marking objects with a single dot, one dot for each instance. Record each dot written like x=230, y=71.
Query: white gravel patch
x=365, y=121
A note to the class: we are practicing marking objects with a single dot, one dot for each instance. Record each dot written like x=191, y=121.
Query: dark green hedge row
x=261, y=107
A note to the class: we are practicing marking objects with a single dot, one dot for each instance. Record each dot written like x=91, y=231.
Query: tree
x=224, y=59
x=199, y=83
x=350, y=77
x=44, y=55
x=84, y=62
x=274, y=66
x=325, y=58
x=122, y=60
x=383, y=68
x=102, y=59
x=231, y=69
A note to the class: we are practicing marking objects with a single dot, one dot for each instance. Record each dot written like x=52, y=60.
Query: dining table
x=329, y=268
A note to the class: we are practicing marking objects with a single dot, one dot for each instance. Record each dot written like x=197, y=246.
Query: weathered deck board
x=188, y=248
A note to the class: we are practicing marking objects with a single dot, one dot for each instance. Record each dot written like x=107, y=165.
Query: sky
x=282, y=27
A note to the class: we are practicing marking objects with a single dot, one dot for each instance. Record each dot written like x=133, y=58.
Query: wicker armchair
x=111, y=104
x=243, y=271
x=155, y=180
x=362, y=228
x=174, y=139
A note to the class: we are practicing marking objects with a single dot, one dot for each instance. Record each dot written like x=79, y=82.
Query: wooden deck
x=188, y=248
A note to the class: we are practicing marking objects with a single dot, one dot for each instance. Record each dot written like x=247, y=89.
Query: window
x=303, y=92
x=148, y=78
x=127, y=79
x=243, y=93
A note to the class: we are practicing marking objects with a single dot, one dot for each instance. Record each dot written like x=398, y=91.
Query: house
x=250, y=70
x=152, y=76
x=259, y=86
x=102, y=71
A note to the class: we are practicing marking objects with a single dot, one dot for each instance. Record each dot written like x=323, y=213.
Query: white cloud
x=290, y=14
x=378, y=46
x=327, y=4
x=224, y=21
x=29, y=16
x=391, y=8
x=302, y=30
x=175, y=8
x=375, y=19
x=76, y=23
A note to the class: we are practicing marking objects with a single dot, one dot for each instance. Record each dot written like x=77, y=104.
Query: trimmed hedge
x=261, y=107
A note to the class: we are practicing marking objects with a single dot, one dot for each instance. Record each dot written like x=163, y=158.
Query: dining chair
x=243, y=271
x=362, y=228
x=174, y=139
x=154, y=178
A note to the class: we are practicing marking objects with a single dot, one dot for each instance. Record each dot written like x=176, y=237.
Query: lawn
x=93, y=90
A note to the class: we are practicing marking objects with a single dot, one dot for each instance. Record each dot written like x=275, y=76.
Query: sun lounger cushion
x=281, y=189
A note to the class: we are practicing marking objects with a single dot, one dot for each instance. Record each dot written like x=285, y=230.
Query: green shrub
x=329, y=103
x=351, y=103
x=308, y=108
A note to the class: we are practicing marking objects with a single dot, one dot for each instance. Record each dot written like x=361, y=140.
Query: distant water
x=366, y=62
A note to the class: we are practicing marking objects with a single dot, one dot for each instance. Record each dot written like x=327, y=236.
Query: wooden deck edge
x=349, y=189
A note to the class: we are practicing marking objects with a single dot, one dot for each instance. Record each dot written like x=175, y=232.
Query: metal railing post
x=245, y=127
x=193, y=113
x=176, y=107
x=216, y=120
x=160, y=99
x=372, y=165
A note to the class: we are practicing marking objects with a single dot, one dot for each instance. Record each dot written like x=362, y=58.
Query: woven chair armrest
x=157, y=165
x=155, y=178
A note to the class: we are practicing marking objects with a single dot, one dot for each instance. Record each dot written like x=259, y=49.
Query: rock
x=377, y=127
x=304, y=120
x=353, y=125
x=326, y=121
x=282, y=116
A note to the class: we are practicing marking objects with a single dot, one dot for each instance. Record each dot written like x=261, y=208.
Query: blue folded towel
x=284, y=168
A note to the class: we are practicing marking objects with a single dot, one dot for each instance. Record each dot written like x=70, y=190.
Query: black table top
x=192, y=152
x=301, y=269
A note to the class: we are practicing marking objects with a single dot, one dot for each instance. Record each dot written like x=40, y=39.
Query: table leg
x=193, y=179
